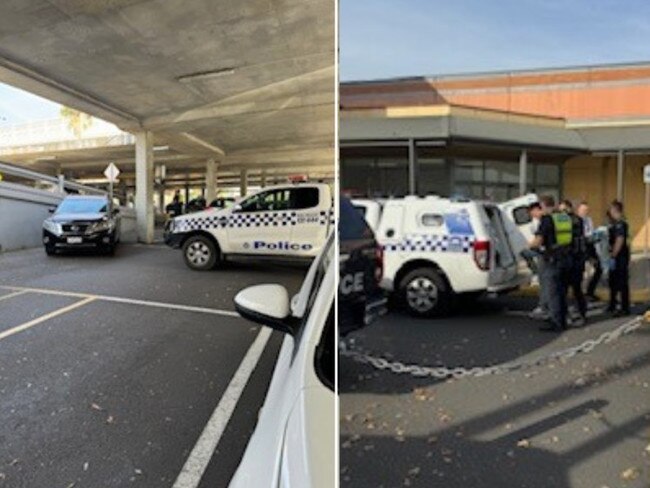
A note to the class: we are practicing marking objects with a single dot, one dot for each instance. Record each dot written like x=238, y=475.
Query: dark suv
x=361, y=300
x=82, y=222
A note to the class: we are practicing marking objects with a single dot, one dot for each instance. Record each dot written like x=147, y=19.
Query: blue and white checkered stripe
x=244, y=220
x=326, y=217
x=432, y=243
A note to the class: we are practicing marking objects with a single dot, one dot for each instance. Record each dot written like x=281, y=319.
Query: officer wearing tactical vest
x=578, y=261
x=554, y=238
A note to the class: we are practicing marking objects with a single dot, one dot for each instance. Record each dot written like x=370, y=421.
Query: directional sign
x=646, y=174
x=111, y=172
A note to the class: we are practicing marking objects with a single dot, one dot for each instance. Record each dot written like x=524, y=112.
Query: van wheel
x=425, y=293
x=201, y=253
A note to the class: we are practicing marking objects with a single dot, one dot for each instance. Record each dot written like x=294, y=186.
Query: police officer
x=553, y=237
x=619, y=262
x=578, y=259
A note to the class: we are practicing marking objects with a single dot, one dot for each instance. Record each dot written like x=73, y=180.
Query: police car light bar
x=298, y=178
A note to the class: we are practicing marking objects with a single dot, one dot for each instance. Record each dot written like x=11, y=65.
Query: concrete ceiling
x=253, y=79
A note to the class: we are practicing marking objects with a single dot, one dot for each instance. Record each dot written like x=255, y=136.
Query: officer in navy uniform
x=554, y=237
x=578, y=257
x=619, y=262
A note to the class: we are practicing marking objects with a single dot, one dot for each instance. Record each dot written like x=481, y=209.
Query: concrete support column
x=243, y=183
x=144, y=186
x=161, y=198
x=412, y=167
x=620, y=174
x=210, y=180
x=263, y=180
x=523, y=172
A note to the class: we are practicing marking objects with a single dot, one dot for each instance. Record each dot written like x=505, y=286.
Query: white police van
x=435, y=248
x=285, y=221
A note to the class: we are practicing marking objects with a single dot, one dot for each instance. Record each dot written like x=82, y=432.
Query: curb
x=637, y=295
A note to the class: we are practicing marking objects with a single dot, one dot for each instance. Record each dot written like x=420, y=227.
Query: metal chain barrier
x=442, y=372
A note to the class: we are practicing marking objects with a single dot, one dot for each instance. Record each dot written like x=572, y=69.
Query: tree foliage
x=77, y=121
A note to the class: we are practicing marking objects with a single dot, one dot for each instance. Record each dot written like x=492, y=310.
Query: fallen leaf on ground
x=94, y=406
x=525, y=443
x=630, y=474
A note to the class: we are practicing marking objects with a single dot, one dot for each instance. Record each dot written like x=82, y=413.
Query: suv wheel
x=201, y=253
x=50, y=250
x=425, y=293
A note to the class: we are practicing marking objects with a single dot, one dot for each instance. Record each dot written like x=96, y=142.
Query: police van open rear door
x=503, y=270
x=517, y=220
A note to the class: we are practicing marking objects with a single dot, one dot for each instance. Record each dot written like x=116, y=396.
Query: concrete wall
x=594, y=179
x=23, y=209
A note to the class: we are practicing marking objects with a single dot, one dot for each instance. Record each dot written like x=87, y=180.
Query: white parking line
x=201, y=454
x=43, y=318
x=132, y=301
x=14, y=294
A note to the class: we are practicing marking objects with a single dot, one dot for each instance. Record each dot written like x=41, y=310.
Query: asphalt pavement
x=581, y=422
x=111, y=367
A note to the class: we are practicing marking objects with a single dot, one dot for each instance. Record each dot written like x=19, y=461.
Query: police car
x=286, y=221
x=294, y=442
x=436, y=248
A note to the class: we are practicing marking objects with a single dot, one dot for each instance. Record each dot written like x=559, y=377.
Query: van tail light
x=482, y=254
x=379, y=263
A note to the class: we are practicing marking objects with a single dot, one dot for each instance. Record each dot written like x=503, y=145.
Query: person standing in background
x=592, y=254
x=619, y=261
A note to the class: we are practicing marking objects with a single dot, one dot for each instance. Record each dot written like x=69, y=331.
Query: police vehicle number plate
x=75, y=240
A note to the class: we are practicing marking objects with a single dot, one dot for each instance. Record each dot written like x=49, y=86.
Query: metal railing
x=60, y=182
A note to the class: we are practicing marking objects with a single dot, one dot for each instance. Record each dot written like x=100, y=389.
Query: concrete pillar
x=243, y=183
x=161, y=198
x=412, y=167
x=263, y=179
x=61, y=183
x=523, y=172
x=187, y=193
x=144, y=186
x=210, y=180
x=620, y=174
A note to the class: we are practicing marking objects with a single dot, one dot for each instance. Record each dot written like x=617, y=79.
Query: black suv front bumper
x=79, y=241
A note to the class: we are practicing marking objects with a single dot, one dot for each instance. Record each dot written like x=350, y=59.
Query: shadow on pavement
x=453, y=458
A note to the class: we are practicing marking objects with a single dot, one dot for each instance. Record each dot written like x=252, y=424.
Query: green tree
x=78, y=121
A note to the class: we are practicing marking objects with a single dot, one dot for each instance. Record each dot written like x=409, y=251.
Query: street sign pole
x=111, y=172
x=646, y=180
x=110, y=194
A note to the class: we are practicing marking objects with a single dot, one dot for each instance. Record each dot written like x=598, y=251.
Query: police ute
x=285, y=221
x=436, y=248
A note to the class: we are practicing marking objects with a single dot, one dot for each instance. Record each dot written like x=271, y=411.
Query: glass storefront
x=375, y=172
x=384, y=171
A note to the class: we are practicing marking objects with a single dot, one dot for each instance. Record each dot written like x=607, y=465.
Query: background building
x=581, y=133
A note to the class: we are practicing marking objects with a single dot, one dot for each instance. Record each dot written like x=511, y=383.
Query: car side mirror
x=236, y=208
x=268, y=305
x=51, y=210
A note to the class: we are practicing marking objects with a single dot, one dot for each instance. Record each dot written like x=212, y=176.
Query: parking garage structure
x=230, y=93
x=581, y=133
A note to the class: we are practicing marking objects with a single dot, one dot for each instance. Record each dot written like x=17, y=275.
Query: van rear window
x=521, y=215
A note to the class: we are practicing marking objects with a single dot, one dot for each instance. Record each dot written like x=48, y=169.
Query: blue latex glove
x=612, y=264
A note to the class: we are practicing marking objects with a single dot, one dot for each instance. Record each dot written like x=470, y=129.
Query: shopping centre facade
x=580, y=133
